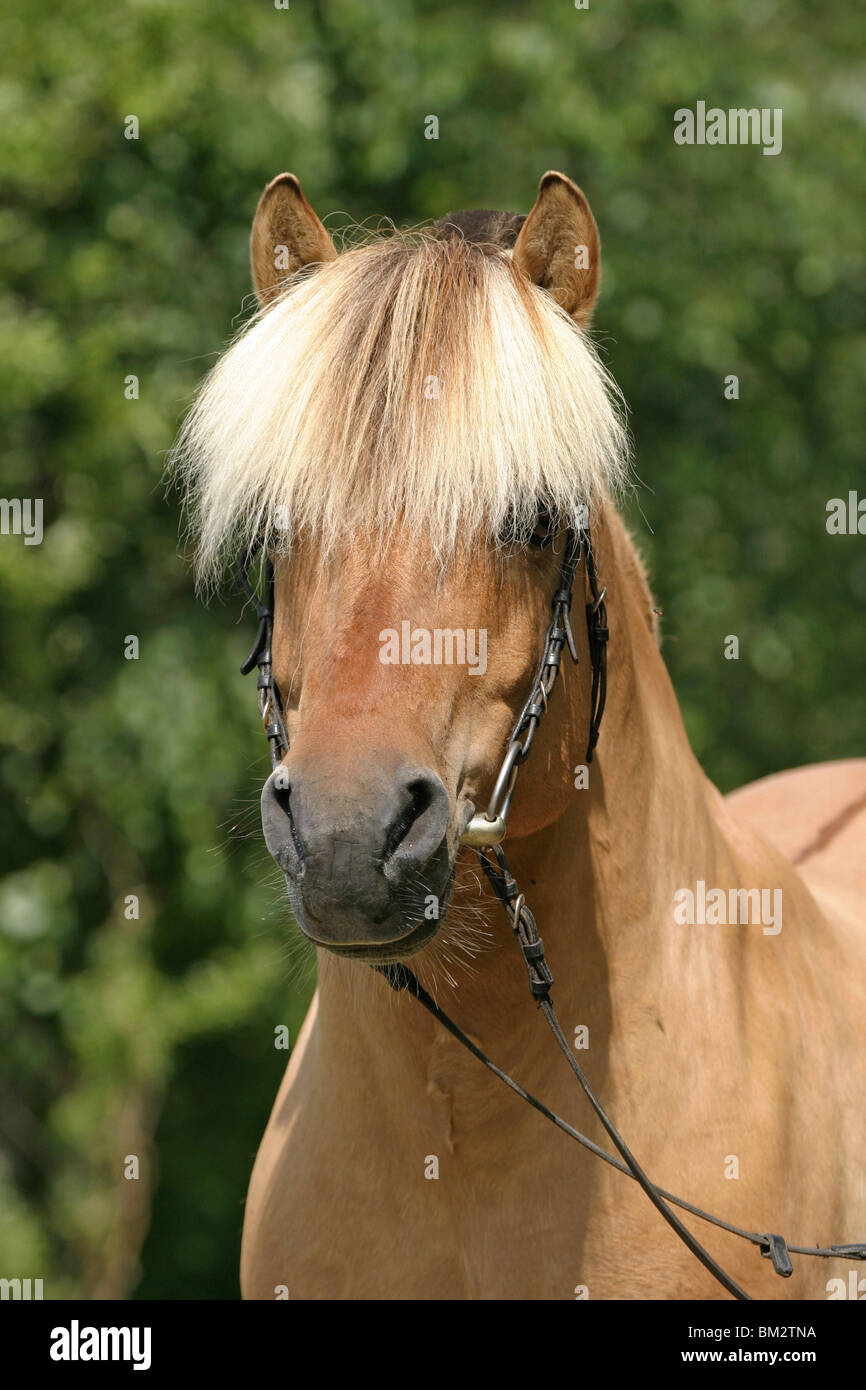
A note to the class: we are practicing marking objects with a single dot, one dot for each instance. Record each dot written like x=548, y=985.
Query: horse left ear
x=286, y=235
x=558, y=246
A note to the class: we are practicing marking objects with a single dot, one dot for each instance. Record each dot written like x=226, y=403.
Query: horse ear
x=558, y=246
x=286, y=235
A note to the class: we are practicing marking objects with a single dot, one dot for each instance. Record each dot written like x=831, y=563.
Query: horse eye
x=544, y=529
x=515, y=535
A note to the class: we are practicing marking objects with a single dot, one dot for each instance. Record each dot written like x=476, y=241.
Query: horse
x=409, y=430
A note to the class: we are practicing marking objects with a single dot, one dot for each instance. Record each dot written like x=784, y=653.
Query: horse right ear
x=286, y=235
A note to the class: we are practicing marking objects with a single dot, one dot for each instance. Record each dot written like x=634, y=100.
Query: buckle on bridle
x=775, y=1248
x=592, y=608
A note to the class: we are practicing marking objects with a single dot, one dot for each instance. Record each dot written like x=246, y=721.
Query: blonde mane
x=413, y=382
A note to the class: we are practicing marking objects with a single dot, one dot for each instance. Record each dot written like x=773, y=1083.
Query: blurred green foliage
x=126, y=257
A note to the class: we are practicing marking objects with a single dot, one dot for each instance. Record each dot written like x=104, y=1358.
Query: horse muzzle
x=368, y=865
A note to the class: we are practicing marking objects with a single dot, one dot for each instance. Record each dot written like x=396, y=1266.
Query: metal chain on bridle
x=489, y=829
x=270, y=700
x=485, y=833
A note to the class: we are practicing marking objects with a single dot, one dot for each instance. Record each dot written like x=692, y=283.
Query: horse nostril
x=278, y=823
x=420, y=797
x=282, y=796
x=417, y=830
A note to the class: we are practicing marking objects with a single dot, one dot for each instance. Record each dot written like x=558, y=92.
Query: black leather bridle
x=485, y=832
